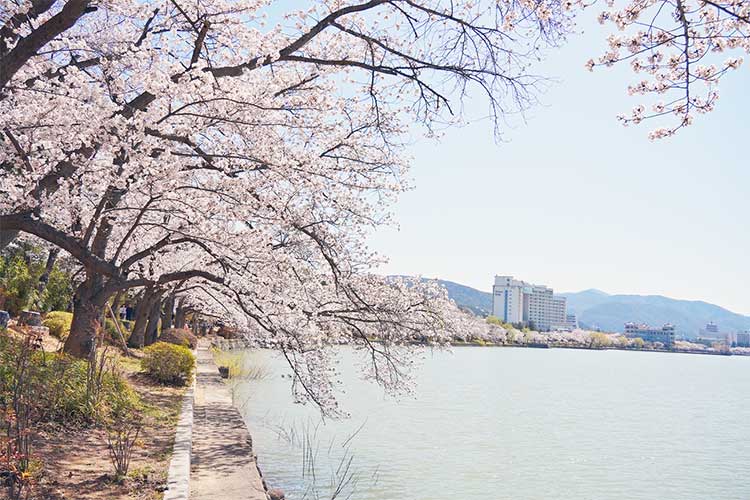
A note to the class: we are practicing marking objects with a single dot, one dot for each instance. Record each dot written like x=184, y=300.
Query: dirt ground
x=76, y=463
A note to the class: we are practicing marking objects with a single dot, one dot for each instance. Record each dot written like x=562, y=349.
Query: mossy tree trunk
x=168, y=313
x=88, y=304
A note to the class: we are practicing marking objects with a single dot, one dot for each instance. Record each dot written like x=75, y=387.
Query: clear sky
x=574, y=200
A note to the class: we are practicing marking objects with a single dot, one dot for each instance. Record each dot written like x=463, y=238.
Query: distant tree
x=637, y=343
x=510, y=336
x=721, y=348
x=599, y=340
x=494, y=320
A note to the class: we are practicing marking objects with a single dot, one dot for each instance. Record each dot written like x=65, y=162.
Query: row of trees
x=190, y=152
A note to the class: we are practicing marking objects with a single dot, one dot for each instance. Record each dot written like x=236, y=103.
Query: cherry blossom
x=681, y=47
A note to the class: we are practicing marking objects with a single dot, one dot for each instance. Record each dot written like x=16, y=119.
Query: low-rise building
x=571, y=321
x=710, y=331
x=665, y=334
x=743, y=339
x=712, y=334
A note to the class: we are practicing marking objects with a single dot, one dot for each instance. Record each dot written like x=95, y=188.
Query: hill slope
x=479, y=302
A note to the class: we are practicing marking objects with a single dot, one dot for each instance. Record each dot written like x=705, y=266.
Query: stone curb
x=178, y=476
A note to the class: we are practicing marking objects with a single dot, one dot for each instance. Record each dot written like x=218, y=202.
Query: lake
x=513, y=423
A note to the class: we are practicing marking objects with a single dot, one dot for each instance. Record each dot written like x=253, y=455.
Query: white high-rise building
x=508, y=299
x=515, y=301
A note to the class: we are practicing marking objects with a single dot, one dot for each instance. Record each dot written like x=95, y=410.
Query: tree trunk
x=179, y=319
x=88, y=304
x=142, y=310
x=168, y=314
x=7, y=237
x=152, y=328
x=44, y=278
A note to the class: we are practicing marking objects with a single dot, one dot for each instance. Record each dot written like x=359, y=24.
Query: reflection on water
x=521, y=424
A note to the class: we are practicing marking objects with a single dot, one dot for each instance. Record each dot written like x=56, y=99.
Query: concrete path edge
x=178, y=475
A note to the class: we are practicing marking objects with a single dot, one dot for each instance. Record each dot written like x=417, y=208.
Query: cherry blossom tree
x=195, y=148
x=683, y=48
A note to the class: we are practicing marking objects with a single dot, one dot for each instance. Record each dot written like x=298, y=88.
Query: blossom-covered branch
x=683, y=47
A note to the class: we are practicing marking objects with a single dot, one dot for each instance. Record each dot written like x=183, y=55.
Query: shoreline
x=585, y=348
x=231, y=344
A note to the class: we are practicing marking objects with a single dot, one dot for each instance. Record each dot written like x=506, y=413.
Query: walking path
x=223, y=465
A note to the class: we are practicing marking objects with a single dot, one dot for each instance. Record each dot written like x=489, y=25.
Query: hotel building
x=515, y=301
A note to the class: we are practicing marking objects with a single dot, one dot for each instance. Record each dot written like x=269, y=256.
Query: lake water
x=521, y=424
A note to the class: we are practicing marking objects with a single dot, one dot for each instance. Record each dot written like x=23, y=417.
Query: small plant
x=179, y=336
x=17, y=402
x=58, y=323
x=122, y=437
x=168, y=363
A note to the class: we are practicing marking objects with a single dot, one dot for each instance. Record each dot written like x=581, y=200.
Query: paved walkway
x=223, y=465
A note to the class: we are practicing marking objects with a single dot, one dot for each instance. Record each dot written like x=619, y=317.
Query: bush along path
x=223, y=464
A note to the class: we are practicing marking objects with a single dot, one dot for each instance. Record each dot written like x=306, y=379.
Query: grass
x=238, y=367
x=129, y=364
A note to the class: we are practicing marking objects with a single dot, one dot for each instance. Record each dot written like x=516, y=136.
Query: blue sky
x=574, y=200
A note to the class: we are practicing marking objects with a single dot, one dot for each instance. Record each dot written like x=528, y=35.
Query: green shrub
x=58, y=323
x=58, y=386
x=168, y=363
x=58, y=293
x=67, y=398
x=179, y=336
x=18, y=283
x=21, y=267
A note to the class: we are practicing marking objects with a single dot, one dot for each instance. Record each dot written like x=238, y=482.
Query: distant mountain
x=611, y=312
x=586, y=299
